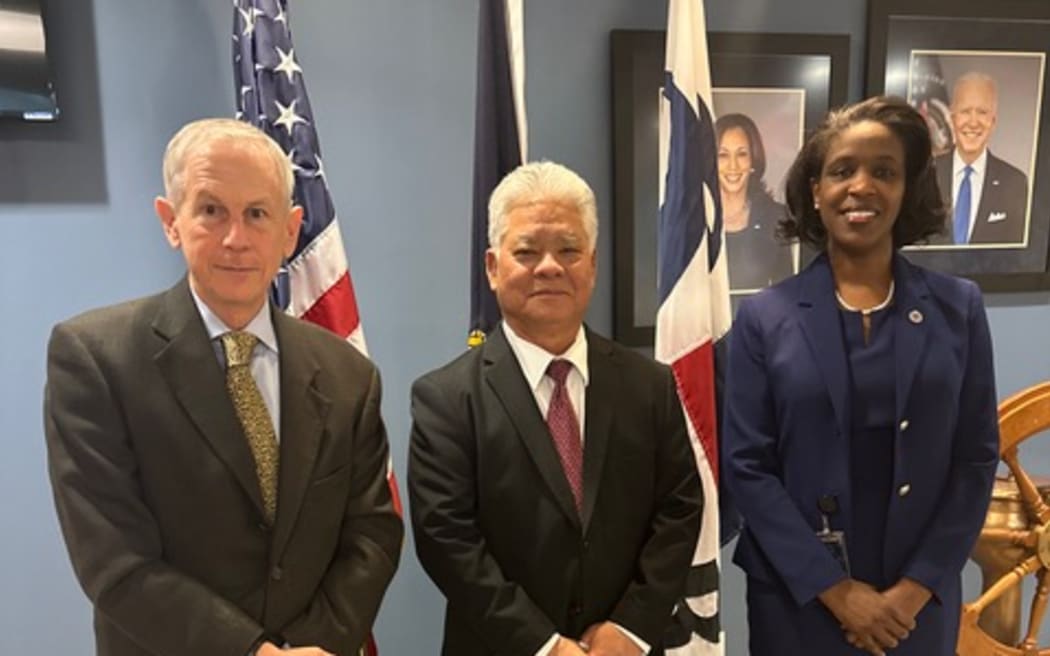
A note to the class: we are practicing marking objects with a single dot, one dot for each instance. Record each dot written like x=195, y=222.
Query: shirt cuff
x=642, y=644
x=548, y=646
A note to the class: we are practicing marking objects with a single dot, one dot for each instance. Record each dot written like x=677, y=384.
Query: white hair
x=200, y=135
x=977, y=77
x=536, y=182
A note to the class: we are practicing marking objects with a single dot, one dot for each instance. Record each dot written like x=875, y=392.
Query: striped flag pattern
x=693, y=291
x=315, y=284
x=500, y=139
x=271, y=94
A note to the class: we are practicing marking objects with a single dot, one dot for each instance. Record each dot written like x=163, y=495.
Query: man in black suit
x=988, y=197
x=219, y=468
x=555, y=500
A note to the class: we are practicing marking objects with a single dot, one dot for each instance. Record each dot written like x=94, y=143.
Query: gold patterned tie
x=252, y=412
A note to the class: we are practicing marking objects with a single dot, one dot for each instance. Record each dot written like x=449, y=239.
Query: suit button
x=904, y=425
x=903, y=490
x=586, y=545
x=276, y=573
x=575, y=609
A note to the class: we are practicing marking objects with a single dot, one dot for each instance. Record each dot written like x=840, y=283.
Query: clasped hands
x=602, y=639
x=875, y=621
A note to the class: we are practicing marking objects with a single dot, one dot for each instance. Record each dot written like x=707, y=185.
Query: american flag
x=500, y=139
x=693, y=290
x=271, y=94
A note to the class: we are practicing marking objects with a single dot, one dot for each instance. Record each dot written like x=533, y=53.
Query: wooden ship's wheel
x=1014, y=543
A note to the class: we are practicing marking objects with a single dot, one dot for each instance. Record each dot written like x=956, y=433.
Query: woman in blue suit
x=861, y=438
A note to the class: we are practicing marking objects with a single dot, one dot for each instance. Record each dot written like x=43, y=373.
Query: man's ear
x=166, y=213
x=295, y=222
x=490, y=268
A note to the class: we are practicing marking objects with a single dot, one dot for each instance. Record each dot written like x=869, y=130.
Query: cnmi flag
x=500, y=138
x=694, y=297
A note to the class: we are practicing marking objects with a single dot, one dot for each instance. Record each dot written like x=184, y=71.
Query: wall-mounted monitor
x=26, y=91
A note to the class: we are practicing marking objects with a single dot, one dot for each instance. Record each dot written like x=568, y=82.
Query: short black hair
x=922, y=214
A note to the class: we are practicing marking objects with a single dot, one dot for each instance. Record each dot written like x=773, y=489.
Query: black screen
x=25, y=81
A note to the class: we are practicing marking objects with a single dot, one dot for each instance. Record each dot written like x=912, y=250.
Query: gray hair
x=536, y=182
x=977, y=77
x=200, y=135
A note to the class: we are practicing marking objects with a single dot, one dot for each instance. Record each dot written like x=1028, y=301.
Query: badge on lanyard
x=835, y=541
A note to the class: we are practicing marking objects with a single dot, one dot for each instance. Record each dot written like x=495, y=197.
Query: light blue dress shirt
x=266, y=363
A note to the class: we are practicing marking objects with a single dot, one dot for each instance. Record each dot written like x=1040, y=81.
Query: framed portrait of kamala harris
x=768, y=91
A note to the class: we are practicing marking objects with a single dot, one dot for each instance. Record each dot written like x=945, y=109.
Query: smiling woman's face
x=861, y=188
x=734, y=161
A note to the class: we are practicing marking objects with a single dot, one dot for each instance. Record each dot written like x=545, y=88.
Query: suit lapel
x=503, y=374
x=188, y=362
x=823, y=329
x=602, y=392
x=303, y=411
x=912, y=311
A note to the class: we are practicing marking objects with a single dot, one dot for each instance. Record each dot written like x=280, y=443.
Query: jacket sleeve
x=753, y=469
x=947, y=541
x=113, y=540
x=442, y=488
x=345, y=605
x=665, y=559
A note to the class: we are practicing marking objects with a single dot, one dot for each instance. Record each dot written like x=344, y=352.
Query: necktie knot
x=238, y=346
x=967, y=170
x=559, y=370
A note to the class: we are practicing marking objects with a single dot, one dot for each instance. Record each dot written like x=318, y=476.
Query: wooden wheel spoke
x=1029, y=492
x=1027, y=539
x=1035, y=619
x=1007, y=581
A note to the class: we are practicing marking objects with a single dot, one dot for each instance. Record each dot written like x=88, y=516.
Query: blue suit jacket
x=788, y=421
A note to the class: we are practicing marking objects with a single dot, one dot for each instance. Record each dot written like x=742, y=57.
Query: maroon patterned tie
x=565, y=430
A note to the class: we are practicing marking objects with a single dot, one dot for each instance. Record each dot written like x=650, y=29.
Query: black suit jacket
x=1003, y=207
x=494, y=519
x=158, y=499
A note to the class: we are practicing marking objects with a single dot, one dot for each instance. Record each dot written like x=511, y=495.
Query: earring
x=816, y=204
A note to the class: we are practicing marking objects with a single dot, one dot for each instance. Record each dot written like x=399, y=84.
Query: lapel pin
x=915, y=316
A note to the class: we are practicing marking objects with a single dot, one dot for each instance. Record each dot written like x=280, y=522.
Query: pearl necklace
x=866, y=312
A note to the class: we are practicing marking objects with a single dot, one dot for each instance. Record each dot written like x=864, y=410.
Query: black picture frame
x=816, y=63
x=919, y=49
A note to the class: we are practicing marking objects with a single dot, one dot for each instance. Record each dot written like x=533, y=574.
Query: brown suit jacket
x=158, y=499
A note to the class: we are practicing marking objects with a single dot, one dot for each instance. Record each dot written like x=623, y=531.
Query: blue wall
x=392, y=85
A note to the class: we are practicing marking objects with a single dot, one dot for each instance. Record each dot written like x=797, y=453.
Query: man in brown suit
x=199, y=522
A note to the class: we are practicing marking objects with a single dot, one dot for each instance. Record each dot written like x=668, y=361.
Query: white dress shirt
x=266, y=364
x=534, y=362
x=979, y=166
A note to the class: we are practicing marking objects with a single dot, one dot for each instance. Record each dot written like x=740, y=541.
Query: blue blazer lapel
x=912, y=313
x=503, y=374
x=823, y=329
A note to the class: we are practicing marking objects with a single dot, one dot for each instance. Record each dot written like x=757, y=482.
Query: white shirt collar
x=535, y=360
x=261, y=324
x=978, y=164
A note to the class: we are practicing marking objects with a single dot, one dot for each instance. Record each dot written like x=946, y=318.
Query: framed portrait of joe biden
x=768, y=91
x=977, y=72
